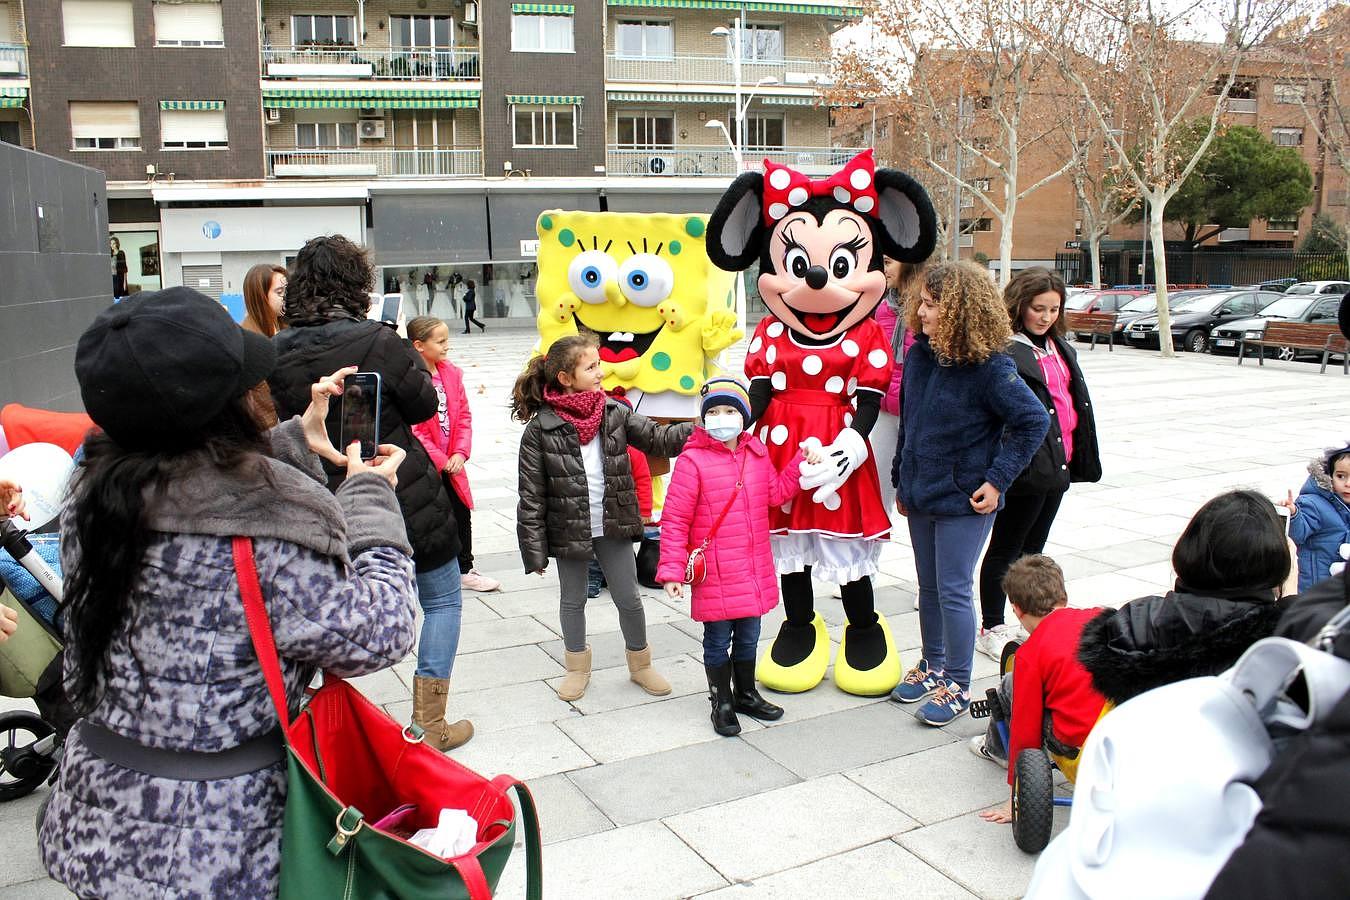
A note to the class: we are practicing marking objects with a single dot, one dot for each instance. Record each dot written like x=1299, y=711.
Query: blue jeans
x=946, y=549
x=438, y=592
x=739, y=637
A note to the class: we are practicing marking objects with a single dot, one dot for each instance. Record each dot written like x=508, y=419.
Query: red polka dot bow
x=786, y=189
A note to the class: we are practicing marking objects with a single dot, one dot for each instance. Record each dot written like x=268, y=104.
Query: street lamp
x=734, y=35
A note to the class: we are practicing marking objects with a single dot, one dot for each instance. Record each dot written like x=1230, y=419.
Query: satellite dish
x=43, y=471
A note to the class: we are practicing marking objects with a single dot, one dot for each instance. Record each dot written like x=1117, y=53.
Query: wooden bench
x=1097, y=324
x=1325, y=339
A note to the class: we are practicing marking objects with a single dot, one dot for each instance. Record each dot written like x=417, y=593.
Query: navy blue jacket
x=1321, y=526
x=962, y=425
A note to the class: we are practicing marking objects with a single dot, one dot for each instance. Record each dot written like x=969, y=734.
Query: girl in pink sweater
x=448, y=437
x=725, y=468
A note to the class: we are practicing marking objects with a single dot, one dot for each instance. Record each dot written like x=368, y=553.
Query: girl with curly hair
x=968, y=428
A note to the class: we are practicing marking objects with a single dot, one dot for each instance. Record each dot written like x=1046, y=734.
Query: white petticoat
x=832, y=560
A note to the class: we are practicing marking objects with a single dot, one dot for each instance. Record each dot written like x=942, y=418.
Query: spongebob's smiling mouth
x=620, y=346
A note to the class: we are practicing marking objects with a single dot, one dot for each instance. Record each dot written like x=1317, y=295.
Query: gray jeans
x=617, y=561
x=994, y=743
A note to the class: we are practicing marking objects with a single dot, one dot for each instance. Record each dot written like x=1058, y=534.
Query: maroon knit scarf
x=583, y=410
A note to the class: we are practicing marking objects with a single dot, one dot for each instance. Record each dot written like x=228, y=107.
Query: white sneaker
x=991, y=641
x=473, y=580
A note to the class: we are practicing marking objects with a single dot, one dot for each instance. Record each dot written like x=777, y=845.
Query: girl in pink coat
x=724, y=467
x=448, y=437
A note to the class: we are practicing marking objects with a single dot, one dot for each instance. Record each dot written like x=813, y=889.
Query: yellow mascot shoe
x=876, y=681
x=804, y=675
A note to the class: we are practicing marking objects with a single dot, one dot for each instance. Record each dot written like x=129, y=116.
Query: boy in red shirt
x=1053, y=702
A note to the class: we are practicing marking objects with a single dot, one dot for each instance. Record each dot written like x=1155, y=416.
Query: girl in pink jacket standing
x=720, y=494
x=448, y=438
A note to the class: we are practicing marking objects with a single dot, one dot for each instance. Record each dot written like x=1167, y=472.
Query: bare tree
x=1153, y=54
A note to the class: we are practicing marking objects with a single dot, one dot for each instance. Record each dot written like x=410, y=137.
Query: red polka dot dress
x=814, y=395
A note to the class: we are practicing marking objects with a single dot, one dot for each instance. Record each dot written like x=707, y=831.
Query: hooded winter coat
x=553, y=517
x=741, y=578
x=1156, y=640
x=1321, y=526
x=338, y=584
x=308, y=352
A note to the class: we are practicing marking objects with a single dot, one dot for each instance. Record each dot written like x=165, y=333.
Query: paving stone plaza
x=844, y=796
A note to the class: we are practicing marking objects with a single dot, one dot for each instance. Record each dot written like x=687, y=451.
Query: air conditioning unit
x=371, y=129
x=273, y=115
x=470, y=13
x=369, y=112
x=660, y=165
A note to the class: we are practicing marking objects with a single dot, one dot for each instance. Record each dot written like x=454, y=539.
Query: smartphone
x=361, y=412
x=391, y=309
x=1283, y=512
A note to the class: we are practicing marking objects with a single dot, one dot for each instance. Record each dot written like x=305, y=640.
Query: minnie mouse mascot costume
x=818, y=367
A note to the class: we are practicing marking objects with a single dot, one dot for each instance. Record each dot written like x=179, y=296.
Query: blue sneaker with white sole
x=918, y=683
x=945, y=706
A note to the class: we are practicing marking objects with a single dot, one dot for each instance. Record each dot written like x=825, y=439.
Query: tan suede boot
x=573, y=686
x=429, y=696
x=641, y=672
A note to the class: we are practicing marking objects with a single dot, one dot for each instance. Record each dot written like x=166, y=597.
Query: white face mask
x=724, y=426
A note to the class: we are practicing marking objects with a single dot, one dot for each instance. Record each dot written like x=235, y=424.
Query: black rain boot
x=719, y=691
x=746, y=698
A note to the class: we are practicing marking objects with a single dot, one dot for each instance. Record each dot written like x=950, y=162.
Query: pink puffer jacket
x=742, y=580
x=889, y=321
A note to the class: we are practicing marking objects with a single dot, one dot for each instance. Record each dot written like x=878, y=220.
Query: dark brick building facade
x=148, y=74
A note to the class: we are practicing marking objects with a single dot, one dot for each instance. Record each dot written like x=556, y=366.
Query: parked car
x=1340, y=288
x=1314, y=308
x=1278, y=285
x=1147, y=305
x=1105, y=300
x=1192, y=318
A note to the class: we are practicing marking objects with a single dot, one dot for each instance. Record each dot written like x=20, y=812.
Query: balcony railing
x=715, y=70
x=372, y=163
x=1240, y=105
x=459, y=64
x=13, y=61
x=693, y=161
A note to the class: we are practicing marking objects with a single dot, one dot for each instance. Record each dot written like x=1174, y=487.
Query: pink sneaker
x=474, y=581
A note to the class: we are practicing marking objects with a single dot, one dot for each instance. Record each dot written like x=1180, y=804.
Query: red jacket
x=26, y=425
x=439, y=447
x=1049, y=678
x=889, y=321
x=642, y=479
x=742, y=580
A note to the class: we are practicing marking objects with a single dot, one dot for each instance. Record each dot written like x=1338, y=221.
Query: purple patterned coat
x=340, y=594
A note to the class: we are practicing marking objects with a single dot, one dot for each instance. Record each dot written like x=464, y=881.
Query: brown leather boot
x=573, y=685
x=429, y=696
x=641, y=672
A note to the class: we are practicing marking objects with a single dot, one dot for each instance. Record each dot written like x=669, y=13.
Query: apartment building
x=1269, y=95
x=433, y=131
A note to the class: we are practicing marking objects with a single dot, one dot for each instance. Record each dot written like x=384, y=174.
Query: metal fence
x=13, y=61
x=690, y=161
x=459, y=64
x=367, y=163
x=1202, y=267
x=685, y=69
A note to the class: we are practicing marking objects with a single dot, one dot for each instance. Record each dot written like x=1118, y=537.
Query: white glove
x=841, y=459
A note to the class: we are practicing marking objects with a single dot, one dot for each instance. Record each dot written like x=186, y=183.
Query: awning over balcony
x=543, y=9
x=191, y=105
x=669, y=97
x=545, y=99
x=808, y=9
x=781, y=100
x=369, y=95
x=12, y=97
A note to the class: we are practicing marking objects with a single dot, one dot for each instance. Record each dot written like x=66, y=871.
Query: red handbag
x=358, y=781
x=696, y=566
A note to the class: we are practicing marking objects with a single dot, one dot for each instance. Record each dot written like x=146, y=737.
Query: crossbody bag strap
x=259, y=626
x=534, y=851
x=731, y=501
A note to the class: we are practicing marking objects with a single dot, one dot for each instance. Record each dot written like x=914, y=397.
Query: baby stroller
x=31, y=661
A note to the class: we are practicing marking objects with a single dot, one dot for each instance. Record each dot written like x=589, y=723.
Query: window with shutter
x=6, y=28
x=198, y=129
x=97, y=23
x=104, y=125
x=194, y=23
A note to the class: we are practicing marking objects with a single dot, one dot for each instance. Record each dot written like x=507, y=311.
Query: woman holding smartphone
x=327, y=300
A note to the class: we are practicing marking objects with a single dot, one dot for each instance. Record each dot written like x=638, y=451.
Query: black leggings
x=464, y=526
x=1020, y=528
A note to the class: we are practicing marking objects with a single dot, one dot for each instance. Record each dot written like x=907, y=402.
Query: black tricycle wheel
x=21, y=771
x=1033, y=807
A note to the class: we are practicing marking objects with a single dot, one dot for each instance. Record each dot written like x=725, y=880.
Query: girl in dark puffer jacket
x=578, y=498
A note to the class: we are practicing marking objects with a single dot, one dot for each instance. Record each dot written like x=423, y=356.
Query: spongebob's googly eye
x=588, y=273
x=646, y=279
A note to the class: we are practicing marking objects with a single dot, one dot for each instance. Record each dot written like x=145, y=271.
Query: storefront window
x=501, y=290
x=134, y=260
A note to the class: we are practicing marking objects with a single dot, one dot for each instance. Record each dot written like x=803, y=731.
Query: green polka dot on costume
x=686, y=382
x=694, y=227
x=566, y=237
x=661, y=361
x=546, y=223
x=675, y=248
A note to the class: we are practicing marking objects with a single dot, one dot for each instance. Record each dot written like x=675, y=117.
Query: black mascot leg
x=867, y=663
x=800, y=654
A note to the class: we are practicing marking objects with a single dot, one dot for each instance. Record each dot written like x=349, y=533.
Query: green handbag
x=345, y=758
x=28, y=652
